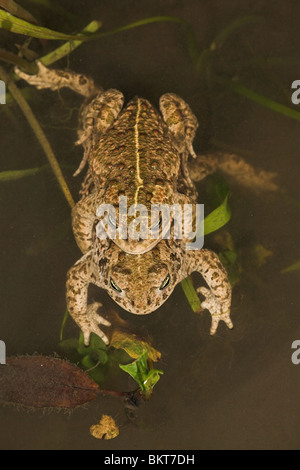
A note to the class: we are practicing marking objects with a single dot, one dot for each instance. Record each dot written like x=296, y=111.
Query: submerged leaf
x=134, y=346
x=291, y=268
x=96, y=343
x=260, y=254
x=45, y=382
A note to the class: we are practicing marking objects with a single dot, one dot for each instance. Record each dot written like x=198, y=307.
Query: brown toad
x=142, y=155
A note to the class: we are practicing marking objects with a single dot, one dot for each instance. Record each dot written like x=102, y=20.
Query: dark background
x=238, y=389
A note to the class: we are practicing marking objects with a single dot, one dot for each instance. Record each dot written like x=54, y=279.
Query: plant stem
x=17, y=95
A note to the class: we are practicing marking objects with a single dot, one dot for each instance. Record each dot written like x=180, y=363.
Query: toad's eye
x=112, y=221
x=165, y=282
x=114, y=286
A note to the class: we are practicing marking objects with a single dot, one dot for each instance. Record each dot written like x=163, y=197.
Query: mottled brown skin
x=134, y=153
x=144, y=156
x=137, y=282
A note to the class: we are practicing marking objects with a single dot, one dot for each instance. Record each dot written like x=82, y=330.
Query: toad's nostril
x=132, y=303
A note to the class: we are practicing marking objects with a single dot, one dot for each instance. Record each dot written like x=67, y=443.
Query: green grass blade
x=19, y=174
x=293, y=267
x=264, y=101
x=40, y=135
x=217, y=218
x=191, y=294
x=144, y=21
x=69, y=46
x=63, y=324
x=231, y=27
x=15, y=9
x=19, y=26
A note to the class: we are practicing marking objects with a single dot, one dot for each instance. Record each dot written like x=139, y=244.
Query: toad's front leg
x=79, y=277
x=83, y=221
x=218, y=296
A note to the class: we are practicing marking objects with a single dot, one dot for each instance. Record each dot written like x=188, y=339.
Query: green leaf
x=97, y=375
x=139, y=371
x=95, y=357
x=191, y=294
x=88, y=362
x=96, y=343
x=152, y=378
x=69, y=345
x=217, y=218
x=291, y=268
x=100, y=356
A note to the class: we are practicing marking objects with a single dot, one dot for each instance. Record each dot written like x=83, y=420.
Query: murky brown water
x=239, y=389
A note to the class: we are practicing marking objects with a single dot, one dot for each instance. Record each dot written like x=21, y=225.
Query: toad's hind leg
x=218, y=296
x=183, y=124
x=98, y=112
x=57, y=79
x=236, y=168
x=181, y=121
x=96, y=118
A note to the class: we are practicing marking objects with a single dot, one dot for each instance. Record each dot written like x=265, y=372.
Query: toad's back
x=136, y=157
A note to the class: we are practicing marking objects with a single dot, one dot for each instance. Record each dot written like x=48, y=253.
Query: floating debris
x=105, y=429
